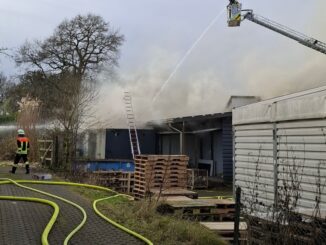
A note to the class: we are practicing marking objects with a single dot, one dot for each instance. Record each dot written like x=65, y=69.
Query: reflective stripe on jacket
x=22, y=145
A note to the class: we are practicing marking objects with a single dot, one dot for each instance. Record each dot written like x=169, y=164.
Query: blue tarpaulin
x=111, y=166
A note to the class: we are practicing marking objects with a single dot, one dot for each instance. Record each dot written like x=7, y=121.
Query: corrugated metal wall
x=253, y=158
x=169, y=144
x=218, y=153
x=227, y=149
x=118, y=144
x=302, y=146
x=100, y=144
x=190, y=147
x=273, y=155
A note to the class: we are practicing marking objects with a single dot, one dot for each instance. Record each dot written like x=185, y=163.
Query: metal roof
x=308, y=104
x=199, y=117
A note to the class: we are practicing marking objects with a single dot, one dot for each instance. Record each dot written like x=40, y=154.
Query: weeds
x=8, y=148
x=142, y=217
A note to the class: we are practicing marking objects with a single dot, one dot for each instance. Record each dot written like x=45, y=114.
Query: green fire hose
x=115, y=223
x=51, y=222
x=20, y=182
x=56, y=197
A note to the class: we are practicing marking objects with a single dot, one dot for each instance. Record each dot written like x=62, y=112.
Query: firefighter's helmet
x=21, y=132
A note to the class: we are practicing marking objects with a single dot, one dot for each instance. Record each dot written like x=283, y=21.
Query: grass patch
x=115, y=201
x=218, y=191
x=141, y=216
x=89, y=193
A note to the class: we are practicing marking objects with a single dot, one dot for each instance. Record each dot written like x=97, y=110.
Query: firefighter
x=22, y=151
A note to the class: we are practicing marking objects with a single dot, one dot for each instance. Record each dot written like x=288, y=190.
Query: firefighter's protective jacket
x=22, y=145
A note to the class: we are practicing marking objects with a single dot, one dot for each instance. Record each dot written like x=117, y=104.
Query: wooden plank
x=44, y=149
x=175, y=192
x=45, y=141
x=223, y=226
x=225, y=202
x=192, y=203
x=176, y=198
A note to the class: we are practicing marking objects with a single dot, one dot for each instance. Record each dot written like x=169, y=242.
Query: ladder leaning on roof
x=133, y=136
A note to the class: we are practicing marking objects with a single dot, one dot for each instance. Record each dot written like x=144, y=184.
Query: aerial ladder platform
x=236, y=15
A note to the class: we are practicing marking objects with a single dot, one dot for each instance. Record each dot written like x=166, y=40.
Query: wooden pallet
x=226, y=230
x=197, y=179
x=202, y=209
x=117, y=180
x=162, y=157
x=166, y=172
x=172, y=192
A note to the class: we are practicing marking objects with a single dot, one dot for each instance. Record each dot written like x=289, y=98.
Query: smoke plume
x=204, y=83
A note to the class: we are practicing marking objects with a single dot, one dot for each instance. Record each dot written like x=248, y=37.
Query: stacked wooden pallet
x=126, y=182
x=226, y=230
x=159, y=173
x=118, y=180
x=203, y=209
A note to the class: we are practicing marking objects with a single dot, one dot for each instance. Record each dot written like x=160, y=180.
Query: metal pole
x=183, y=139
x=275, y=165
x=237, y=216
x=180, y=137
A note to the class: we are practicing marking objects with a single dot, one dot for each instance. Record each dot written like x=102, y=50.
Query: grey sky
x=245, y=60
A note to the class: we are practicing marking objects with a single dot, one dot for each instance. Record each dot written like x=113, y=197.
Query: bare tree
x=27, y=119
x=3, y=82
x=72, y=111
x=68, y=62
x=3, y=51
x=80, y=45
x=5, y=87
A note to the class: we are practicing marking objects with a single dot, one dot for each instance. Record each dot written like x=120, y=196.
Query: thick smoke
x=204, y=83
x=278, y=70
x=188, y=94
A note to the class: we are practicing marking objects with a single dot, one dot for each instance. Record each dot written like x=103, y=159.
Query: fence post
x=237, y=216
x=275, y=165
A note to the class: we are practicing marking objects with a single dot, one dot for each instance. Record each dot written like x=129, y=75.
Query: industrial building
x=206, y=139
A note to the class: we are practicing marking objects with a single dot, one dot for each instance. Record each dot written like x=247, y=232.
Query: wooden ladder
x=133, y=136
x=46, y=151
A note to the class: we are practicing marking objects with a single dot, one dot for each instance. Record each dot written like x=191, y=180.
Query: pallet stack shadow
x=159, y=173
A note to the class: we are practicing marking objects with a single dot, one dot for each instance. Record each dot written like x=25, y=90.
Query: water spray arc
x=189, y=51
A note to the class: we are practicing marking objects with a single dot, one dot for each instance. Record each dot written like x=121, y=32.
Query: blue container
x=111, y=166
